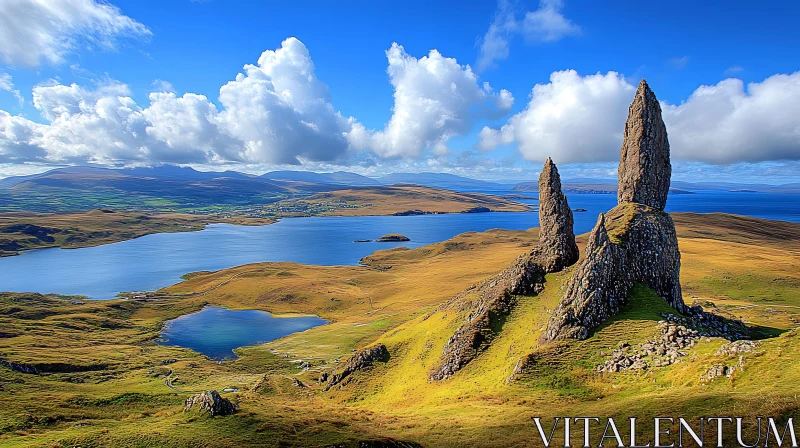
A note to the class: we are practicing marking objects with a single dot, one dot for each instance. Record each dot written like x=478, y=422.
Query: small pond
x=216, y=331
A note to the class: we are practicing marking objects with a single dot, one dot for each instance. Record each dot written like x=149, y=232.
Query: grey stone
x=644, y=168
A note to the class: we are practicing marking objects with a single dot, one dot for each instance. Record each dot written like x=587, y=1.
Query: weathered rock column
x=644, y=166
x=557, y=248
x=635, y=242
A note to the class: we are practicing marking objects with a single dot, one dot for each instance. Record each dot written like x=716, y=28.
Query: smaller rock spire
x=644, y=166
x=556, y=234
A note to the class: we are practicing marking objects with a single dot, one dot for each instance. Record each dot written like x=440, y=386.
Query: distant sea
x=156, y=261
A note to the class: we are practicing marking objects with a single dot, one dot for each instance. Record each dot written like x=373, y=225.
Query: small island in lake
x=390, y=238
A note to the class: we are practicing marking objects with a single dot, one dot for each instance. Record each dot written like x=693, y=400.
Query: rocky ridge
x=488, y=302
x=359, y=361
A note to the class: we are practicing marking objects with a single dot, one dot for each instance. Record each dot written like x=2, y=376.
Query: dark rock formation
x=557, y=248
x=496, y=297
x=358, y=361
x=644, y=167
x=392, y=237
x=635, y=242
x=210, y=402
x=631, y=244
x=20, y=367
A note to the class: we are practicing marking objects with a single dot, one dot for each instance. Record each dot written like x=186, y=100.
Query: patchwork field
x=103, y=379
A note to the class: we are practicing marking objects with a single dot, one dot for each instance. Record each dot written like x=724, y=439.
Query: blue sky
x=727, y=132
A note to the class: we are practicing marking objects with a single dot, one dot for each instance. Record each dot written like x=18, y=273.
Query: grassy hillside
x=103, y=380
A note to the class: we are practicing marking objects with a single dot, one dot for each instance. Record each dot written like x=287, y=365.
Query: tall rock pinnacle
x=556, y=236
x=635, y=242
x=644, y=167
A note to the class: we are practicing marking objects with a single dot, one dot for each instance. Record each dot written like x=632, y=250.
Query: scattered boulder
x=644, y=168
x=557, y=247
x=360, y=360
x=211, y=402
x=737, y=347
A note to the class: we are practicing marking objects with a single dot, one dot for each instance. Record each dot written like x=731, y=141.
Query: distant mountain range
x=297, y=179
x=173, y=187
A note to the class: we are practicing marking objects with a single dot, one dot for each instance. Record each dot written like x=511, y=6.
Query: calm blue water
x=216, y=331
x=155, y=261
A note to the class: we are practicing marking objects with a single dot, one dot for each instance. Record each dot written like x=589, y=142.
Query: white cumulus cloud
x=571, y=118
x=577, y=118
x=729, y=122
x=435, y=98
x=275, y=112
x=281, y=111
x=32, y=31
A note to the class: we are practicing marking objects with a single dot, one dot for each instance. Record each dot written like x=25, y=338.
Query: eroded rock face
x=644, y=167
x=557, y=246
x=211, y=402
x=595, y=291
x=631, y=244
x=360, y=360
x=496, y=297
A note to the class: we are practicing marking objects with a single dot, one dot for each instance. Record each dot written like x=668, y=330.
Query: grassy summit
x=102, y=379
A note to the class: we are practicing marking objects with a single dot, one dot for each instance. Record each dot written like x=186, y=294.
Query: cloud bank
x=275, y=112
x=578, y=119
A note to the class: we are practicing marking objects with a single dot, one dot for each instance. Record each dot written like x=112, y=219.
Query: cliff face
x=644, y=166
x=635, y=242
x=557, y=248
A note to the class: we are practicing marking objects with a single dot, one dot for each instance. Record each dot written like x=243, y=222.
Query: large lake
x=216, y=331
x=155, y=261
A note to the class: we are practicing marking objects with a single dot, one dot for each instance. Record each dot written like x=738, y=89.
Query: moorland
x=102, y=380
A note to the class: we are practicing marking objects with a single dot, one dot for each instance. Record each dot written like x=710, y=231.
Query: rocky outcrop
x=211, y=402
x=631, y=244
x=490, y=301
x=361, y=360
x=644, y=167
x=557, y=248
x=495, y=298
x=635, y=242
x=20, y=367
